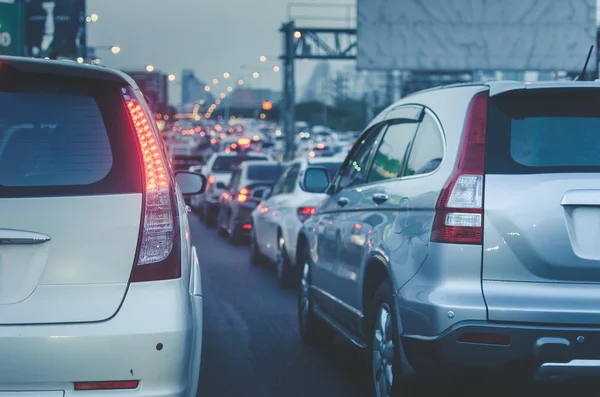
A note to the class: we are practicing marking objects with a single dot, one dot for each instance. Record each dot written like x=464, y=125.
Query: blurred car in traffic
x=460, y=233
x=278, y=219
x=322, y=150
x=218, y=171
x=100, y=287
x=249, y=184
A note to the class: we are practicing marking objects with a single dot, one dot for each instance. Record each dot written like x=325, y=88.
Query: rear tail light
x=459, y=209
x=211, y=180
x=155, y=259
x=111, y=385
x=305, y=212
x=243, y=195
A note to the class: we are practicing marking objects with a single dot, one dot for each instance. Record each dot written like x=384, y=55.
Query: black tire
x=210, y=219
x=221, y=231
x=234, y=235
x=200, y=211
x=256, y=258
x=313, y=330
x=390, y=357
x=283, y=267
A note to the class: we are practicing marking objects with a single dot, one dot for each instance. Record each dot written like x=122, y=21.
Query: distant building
x=192, y=90
x=251, y=98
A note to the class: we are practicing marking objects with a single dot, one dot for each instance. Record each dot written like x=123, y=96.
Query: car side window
x=290, y=180
x=428, y=148
x=392, y=153
x=355, y=169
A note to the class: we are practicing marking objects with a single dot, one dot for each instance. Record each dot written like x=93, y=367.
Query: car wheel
x=198, y=208
x=385, y=346
x=283, y=265
x=312, y=329
x=233, y=234
x=208, y=217
x=221, y=227
x=256, y=258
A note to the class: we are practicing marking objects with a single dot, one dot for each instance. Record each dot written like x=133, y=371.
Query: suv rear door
x=541, y=251
x=70, y=198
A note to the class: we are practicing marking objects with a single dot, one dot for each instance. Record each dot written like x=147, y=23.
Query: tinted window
x=544, y=132
x=264, y=172
x=356, y=165
x=52, y=140
x=65, y=137
x=393, y=151
x=332, y=168
x=230, y=163
x=291, y=177
x=427, y=149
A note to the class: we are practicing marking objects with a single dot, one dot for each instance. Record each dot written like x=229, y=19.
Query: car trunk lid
x=541, y=257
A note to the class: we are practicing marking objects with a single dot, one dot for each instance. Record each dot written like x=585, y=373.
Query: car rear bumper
x=155, y=338
x=539, y=352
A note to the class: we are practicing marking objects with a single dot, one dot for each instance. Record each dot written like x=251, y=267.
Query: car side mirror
x=190, y=183
x=221, y=185
x=315, y=180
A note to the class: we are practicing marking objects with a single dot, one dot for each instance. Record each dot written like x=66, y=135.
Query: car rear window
x=332, y=168
x=65, y=137
x=265, y=172
x=230, y=163
x=545, y=131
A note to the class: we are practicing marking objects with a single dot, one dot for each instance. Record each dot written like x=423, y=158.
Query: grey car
x=462, y=232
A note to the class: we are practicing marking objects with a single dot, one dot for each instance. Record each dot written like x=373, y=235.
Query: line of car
x=459, y=236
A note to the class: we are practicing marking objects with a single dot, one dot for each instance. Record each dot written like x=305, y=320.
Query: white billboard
x=462, y=35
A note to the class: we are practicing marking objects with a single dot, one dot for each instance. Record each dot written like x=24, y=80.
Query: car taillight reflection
x=305, y=212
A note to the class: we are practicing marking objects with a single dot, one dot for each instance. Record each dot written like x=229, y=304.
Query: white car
x=218, y=170
x=100, y=288
x=277, y=220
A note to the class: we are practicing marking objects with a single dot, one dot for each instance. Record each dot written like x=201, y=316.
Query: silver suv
x=462, y=231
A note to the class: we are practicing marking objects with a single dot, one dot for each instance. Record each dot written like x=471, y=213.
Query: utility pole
x=289, y=90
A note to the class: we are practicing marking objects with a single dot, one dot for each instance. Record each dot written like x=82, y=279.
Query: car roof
x=334, y=159
x=67, y=68
x=500, y=86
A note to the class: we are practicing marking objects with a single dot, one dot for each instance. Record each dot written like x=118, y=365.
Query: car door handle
x=380, y=198
x=343, y=201
x=21, y=237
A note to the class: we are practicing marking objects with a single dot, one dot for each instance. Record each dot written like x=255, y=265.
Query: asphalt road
x=252, y=348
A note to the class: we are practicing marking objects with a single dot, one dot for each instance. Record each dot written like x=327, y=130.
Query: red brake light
x=211, y=180
x=114, y=385
x=158, y=252
x=459, y=209
x=305, y=212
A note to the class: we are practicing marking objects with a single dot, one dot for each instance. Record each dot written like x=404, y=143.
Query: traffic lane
x=251, y=345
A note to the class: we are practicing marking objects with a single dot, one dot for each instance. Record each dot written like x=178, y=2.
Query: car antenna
x=582, y=75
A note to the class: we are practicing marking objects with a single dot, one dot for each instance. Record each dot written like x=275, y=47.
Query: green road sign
x=12, y=27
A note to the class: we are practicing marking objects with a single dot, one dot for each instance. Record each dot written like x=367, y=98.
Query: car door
x=281, y=206
x=265, y=220
x=330, y=218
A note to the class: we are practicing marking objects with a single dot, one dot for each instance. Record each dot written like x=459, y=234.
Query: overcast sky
x=209, y=36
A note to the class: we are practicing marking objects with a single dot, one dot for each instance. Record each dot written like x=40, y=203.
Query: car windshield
x=230, y=163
